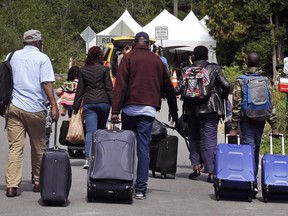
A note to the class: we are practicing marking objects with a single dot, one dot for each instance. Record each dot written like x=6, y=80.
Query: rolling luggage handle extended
x=228, y=135
x=55, y=136
x=282, y=143
x=111, y=126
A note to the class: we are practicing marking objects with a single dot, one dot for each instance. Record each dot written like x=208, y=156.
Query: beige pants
x=21, y=122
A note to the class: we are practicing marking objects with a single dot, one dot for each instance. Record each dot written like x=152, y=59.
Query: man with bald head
x=33, y=77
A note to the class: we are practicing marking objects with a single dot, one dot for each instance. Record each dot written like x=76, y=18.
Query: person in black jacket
x=203, y=117
x=95, y=90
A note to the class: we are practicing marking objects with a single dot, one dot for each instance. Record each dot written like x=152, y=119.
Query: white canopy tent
x=124, y=26
x=182, y=35
x=204, y=20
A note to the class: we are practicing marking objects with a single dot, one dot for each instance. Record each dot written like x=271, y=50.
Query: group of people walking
x=142, y=81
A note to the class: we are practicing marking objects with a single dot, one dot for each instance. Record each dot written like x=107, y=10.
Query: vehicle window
x=106, y=52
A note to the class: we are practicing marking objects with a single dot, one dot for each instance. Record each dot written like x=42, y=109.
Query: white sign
x=161, y=32
x=88, y=35
x=103, y=40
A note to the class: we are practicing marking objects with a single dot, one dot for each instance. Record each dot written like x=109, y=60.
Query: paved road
x=168, y=197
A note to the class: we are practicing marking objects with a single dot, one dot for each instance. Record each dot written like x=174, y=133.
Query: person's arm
x=48, y=88
x=79, y=92
x=169, y=94
x=236, y=109
x=273, y=118
x=108, y=83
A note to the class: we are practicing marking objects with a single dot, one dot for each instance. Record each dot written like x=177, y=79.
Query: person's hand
x=233, y=132
x=54, y=113
x=275, y=133
x=115, y=118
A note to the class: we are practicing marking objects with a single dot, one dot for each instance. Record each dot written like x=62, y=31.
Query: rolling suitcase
x=112, y=166
x=55, y=175
x=274, y=174
x=163, y=156
x=234, y=171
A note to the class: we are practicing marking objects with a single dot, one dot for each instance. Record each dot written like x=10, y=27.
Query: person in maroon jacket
x=140, y=83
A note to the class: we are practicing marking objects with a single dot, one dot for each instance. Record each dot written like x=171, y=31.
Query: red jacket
x=142, y=80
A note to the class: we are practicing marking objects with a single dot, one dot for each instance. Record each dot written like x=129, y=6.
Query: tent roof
x=203, y=21
x=164, y=19
x=123, y=26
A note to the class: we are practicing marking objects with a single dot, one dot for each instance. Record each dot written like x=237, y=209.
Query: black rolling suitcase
x=55, y=175
x=163, y=156
x=112, y=166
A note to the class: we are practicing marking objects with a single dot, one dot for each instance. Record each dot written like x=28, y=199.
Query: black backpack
x=6, y=84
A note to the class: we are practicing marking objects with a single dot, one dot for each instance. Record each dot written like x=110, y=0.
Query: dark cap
x=142, y=37
x=200, y=53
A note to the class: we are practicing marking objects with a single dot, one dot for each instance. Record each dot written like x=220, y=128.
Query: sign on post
x=88, y=35
x=161, y=32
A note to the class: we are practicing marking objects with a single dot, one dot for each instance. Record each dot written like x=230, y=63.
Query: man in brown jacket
x=141, y=82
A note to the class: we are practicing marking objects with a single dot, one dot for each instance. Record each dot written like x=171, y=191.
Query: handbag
x=76, y=133
x=63, y=134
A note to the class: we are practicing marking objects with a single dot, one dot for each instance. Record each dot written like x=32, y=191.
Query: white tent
x=124, y=26
x=204, y=20
x=182, y=35
x=163, y=19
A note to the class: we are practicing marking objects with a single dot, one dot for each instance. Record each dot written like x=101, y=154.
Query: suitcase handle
x=111, y=126
x=55, y=135
x=282, y=143
x=228, y=135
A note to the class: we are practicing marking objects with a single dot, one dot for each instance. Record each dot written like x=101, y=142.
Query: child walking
x=66, y=92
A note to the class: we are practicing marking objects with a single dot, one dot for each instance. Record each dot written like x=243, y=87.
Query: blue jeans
x=202, y=136
x=252, y=133
x=96, y=116
x=142, y=126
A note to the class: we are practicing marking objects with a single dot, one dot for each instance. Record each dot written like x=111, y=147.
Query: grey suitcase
x=111, y=173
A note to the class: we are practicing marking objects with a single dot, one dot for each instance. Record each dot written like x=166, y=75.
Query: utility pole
x=176, y=8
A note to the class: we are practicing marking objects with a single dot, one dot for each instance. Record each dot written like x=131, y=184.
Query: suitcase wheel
x=173, y=176
x=163, y=176
x=217, y=197
x=265, y=199
x=250, y=199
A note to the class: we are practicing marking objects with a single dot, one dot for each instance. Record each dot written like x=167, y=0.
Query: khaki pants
x=21, y=122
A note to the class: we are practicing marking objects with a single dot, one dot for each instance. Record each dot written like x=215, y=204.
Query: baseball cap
x=142, y=37
x=32, y=35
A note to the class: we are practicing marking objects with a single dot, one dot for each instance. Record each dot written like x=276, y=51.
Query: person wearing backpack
x=252, y=116
x=203, y=89
x=33, y=78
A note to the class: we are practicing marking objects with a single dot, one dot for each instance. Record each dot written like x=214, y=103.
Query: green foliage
x=231, y=73
x=281, y=106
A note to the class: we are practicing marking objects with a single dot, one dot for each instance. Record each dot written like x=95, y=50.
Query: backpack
x=196, y=84
x=256, y=103
x=6, y=84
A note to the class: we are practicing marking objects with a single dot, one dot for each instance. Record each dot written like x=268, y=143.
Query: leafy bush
x=231, y=73
x=281, y=107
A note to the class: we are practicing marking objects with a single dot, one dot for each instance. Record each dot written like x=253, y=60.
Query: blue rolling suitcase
x=274, y=174
x=234, y=171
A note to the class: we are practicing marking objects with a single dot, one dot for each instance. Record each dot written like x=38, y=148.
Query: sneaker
x=86, y=165
x=210, y=178
x=195, y=174
x=255, y=193
x=140, y=195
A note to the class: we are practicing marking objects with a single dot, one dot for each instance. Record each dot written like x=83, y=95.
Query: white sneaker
x=86, y=165
x=140, y=195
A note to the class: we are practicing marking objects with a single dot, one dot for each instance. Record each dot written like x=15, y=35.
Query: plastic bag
x=76, y=133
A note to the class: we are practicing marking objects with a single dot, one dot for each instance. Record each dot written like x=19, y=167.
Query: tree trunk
x=274, y=57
